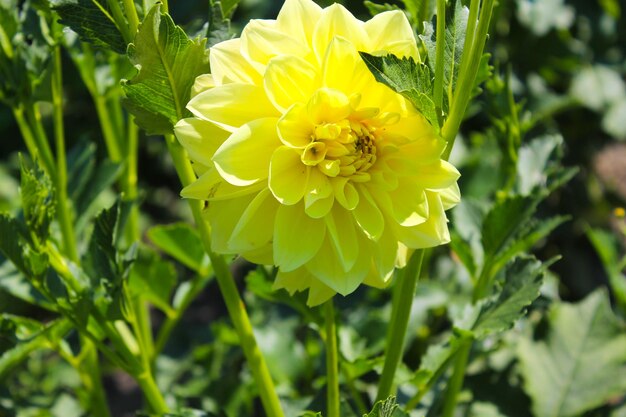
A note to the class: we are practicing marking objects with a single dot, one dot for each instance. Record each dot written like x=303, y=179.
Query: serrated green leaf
x=93, y=22
x=168, y=63
x=521, y=281
x=375, y=8
x=12, y=235
x=580, y=363
x=386, y=408
x=220, y=12
x=37, y=201
x=533, y=160
x=456, y=26
x=411, y=79
x=181, y=242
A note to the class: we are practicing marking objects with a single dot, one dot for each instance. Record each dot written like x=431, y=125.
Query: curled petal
x=288, y=176
x=297, y=237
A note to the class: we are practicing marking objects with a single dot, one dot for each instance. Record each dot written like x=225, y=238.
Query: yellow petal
x=409, y=204
x=336, y=20
x=343, y=69
x=391, y=32
x=319, y=198
x=328, y=106
x=298, y=19
x=202, y=83
x=385, y=252
x=345, y=192
x=211, y=186
x=261, y=256
x=229, y=66
x=245, y=156
x=294, y=127
x=224, y=216
x=231, y=106
x=319, y=293
x=327, y=267
x=341, y=230
x=288, y=175
x=368, y=216
x=450, y=196
x=297, y=237
x=288, y=80
x=256, y=224
x=200, y=138
x=261, y=41
x=433, y=232
x=438, y=175
x=297, y=280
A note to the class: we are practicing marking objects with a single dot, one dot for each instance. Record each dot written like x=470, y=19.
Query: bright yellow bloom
x=306, y=161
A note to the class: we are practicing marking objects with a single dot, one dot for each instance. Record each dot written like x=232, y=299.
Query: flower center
x=345, y=148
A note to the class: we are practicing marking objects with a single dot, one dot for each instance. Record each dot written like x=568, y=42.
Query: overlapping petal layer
x=307, y=162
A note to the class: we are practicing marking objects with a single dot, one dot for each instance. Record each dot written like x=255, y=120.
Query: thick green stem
x=439, y=54
x=129, y=185
x=131, y=14
x=27, y=133
x=90, y=375
x=152, y=393
x=468, y=70
x=332, y=362
x=63, y=207
x=456, y=381
x=111, y=140
x=234, y=303
x=400, y=311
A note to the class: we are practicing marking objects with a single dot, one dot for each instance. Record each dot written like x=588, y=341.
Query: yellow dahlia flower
x=307, y=162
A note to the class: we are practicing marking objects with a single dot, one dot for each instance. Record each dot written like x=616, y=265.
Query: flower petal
x=288, y=175
x=343, y=69
x=202, y=83
x=328, y=105
x=200, y=138
x=319, y=197
x=230, y=106
x=261, y=41
x=390, y=32
x=450, y=196
x=433, y=232
x=368, y=216
x=341, y=230
x=336, y=20
x=439, y=175
x=345, y=192
x=298, y=19
x=294, y=127
x=297, y=237
x=409, y=204
x=288, y=80
x=255, y=227
x=244, y=158
x=229, y=66
x=211, y=186
x=224, y=217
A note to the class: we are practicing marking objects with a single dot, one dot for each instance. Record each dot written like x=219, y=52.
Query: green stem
x=400, y=311
x=27, y=133
x=354, y=392
x=152, y=393
x=130, y=181
x=63, y=208
x=468, y=70
x=456, y=381
x=131, y=14
x=33, y=118
x=165, y=6
x=89, y=372
x=108, y=131
x=332, y=362
x=120, y=20
x=234, y=303
x=440, y=48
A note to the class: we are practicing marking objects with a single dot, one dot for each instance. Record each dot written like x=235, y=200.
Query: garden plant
x=309, y=208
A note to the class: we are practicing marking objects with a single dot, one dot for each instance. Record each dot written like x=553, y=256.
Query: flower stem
x=33, y=119
x=234, y=303
x=456, y=381
x=467, y=71
x=440, y=48
x=400, y=311
x=332, y=362
x=151, y=392
x=63, y=208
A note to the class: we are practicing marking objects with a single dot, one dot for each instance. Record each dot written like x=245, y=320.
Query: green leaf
x=607, y=248
x=533, y=161
x=28, y=336
x=12, y=235
x=37, y=201
x=93, y=21
x=181, y=242
x=168, y=63
x=220, y=12
x=580, y=364
x=412, y=79
x=152, y=279
x=375, y=8
x=386, y=408
x=520, y=281
x=456, y=26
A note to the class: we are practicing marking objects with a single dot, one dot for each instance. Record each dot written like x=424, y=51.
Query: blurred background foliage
x=564, y=62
